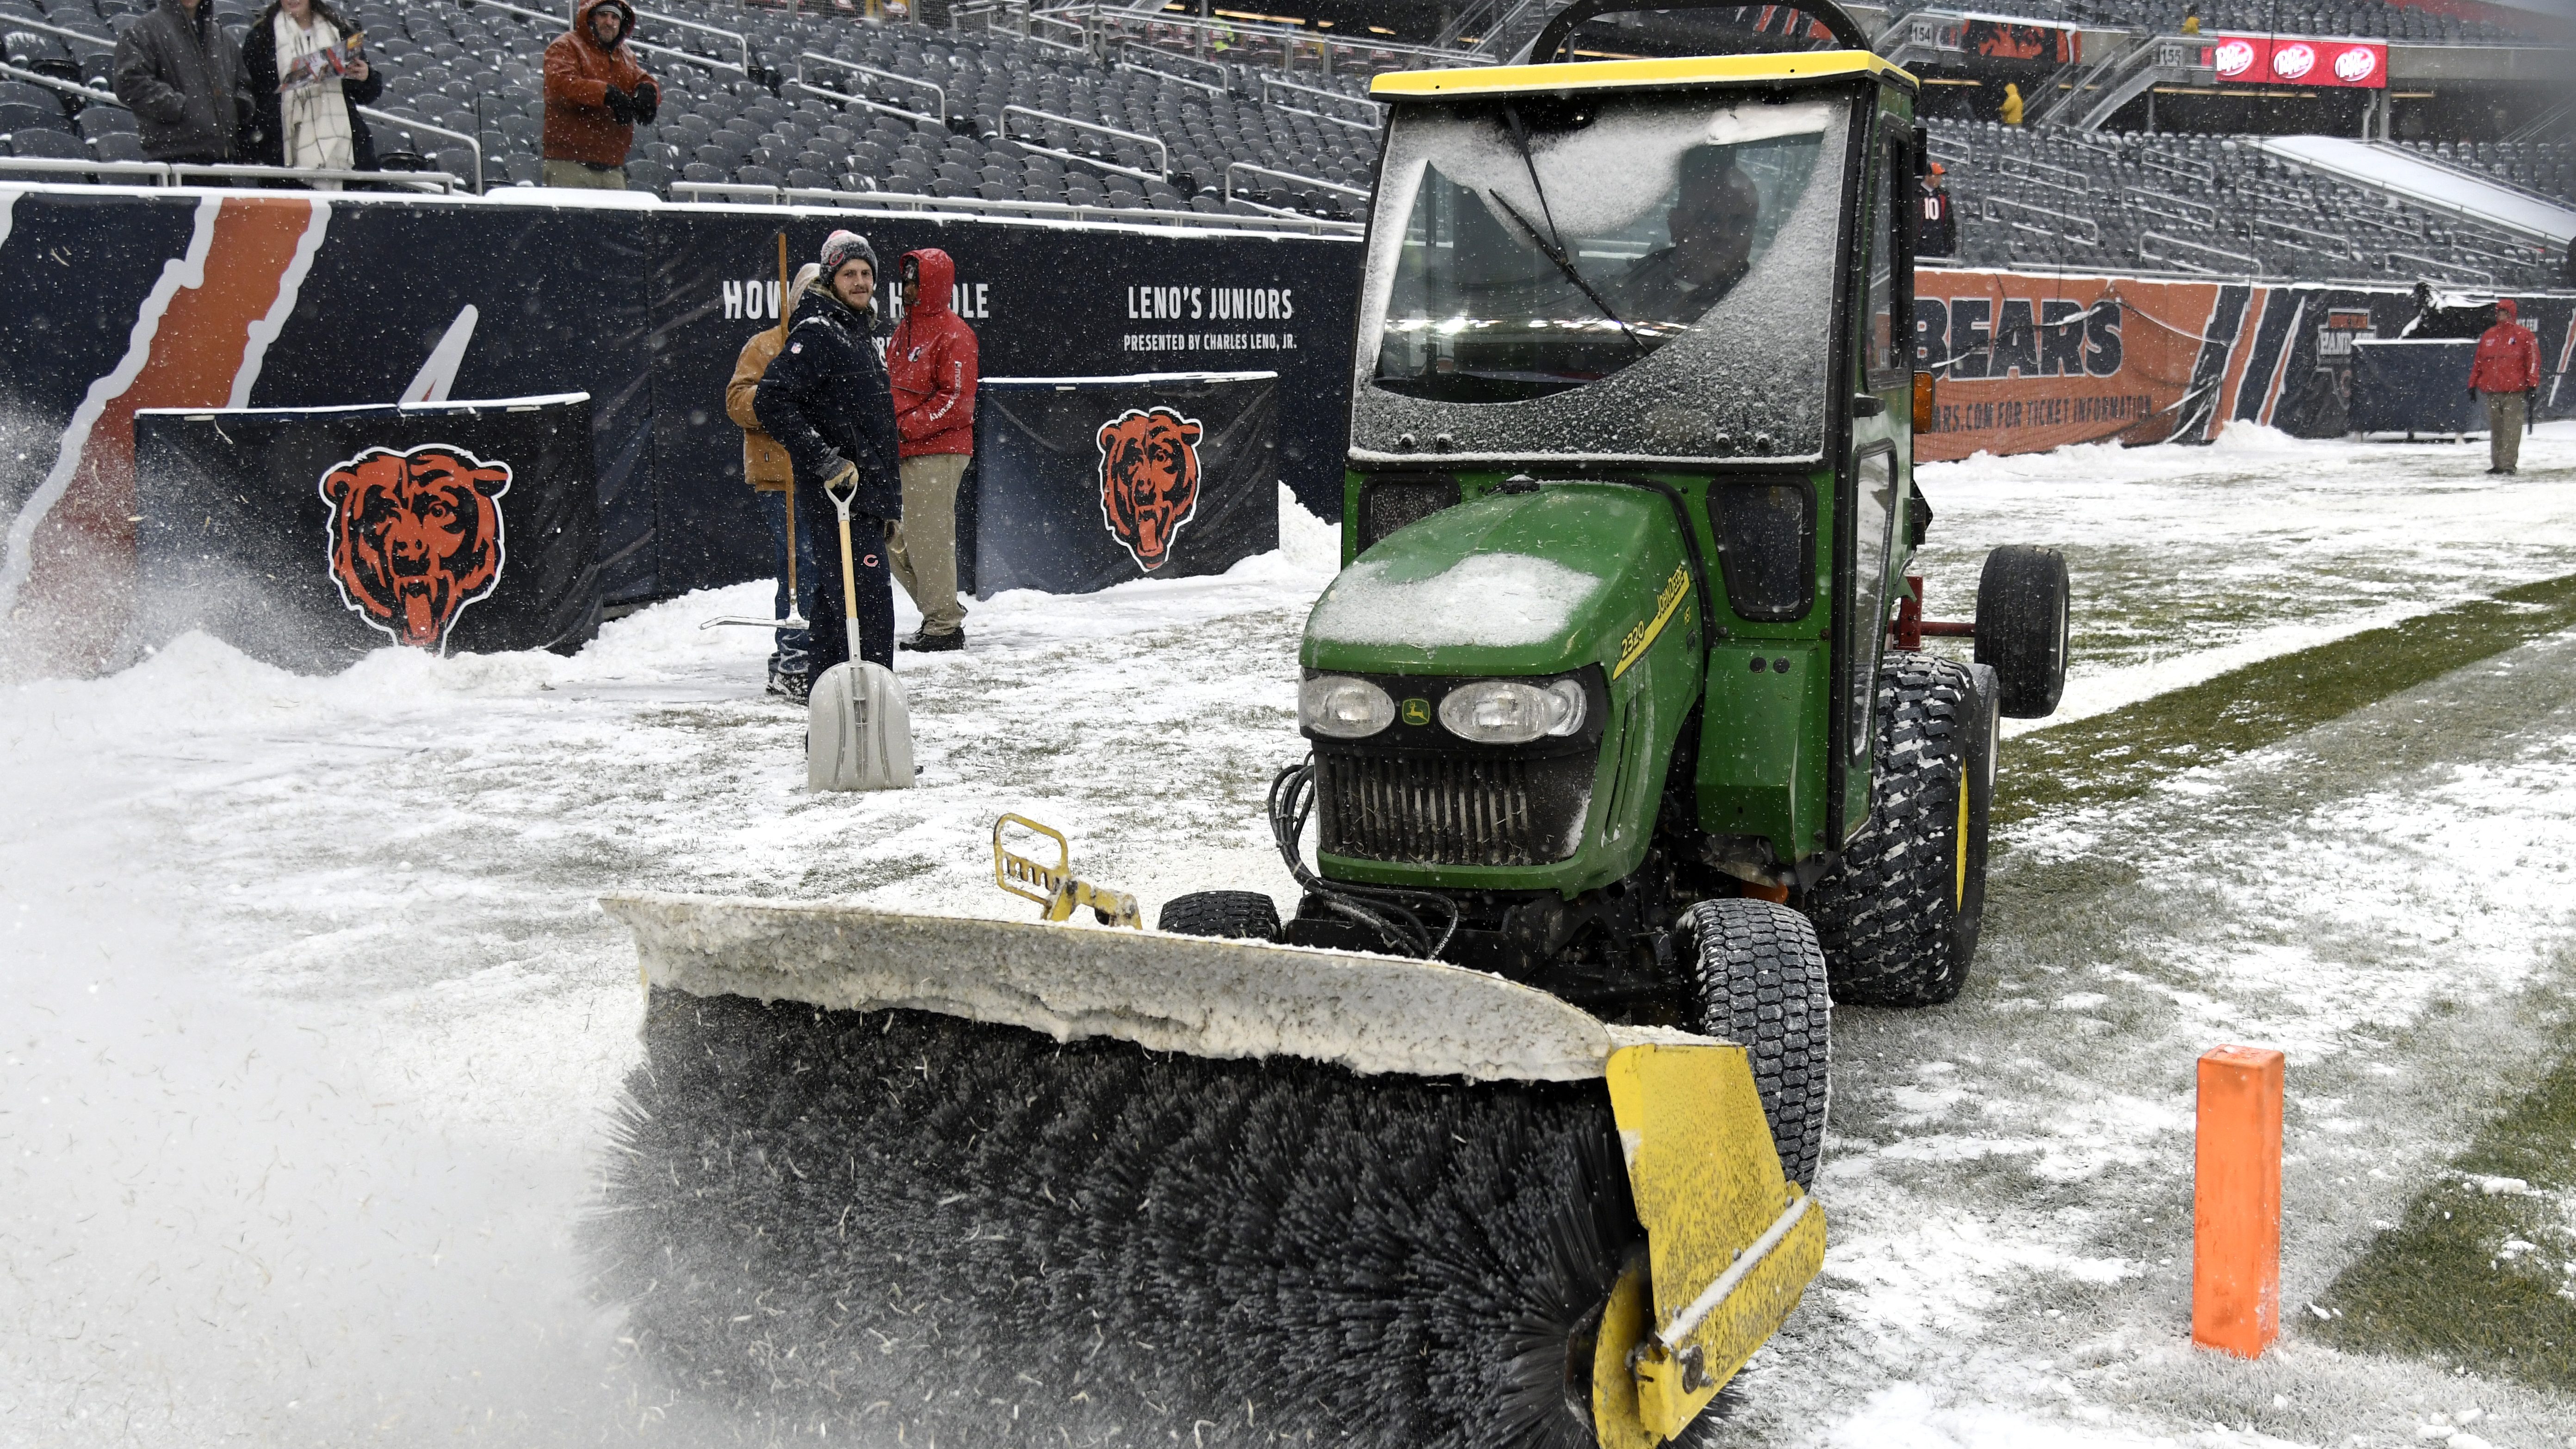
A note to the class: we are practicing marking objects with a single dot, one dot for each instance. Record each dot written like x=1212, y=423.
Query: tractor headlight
x=1343, y=708
x=1512, y=711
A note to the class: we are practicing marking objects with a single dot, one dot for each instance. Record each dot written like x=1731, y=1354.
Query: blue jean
x=787, y=654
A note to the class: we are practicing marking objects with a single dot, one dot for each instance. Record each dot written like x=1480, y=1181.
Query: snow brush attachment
x=976, y=1182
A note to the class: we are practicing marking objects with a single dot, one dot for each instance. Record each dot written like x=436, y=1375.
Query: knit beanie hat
x=840, y=247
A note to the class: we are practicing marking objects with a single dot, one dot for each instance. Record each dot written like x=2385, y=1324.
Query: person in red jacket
x=595, y=95
x=931, y=364
x=2507, y=371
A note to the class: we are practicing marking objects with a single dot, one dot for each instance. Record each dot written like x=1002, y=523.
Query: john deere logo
x=1417, y=711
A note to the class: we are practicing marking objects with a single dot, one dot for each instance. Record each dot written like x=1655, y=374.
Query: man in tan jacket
x=766, y=468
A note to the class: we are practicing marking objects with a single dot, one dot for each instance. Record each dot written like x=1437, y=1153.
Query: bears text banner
x=307, y=537
x=1081, y=483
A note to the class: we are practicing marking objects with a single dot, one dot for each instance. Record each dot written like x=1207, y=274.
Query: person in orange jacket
x=595, y=95
x=931, y=364
x=2507, y=371
x=772, y=475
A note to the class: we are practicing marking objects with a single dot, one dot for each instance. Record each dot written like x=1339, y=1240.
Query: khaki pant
x=574, y=174
x=923, y=546
x=2504, y=430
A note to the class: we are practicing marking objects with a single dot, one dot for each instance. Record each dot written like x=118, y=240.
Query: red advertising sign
x=2299, y=60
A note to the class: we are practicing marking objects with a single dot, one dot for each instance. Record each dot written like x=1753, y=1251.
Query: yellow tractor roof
x=1505, y=80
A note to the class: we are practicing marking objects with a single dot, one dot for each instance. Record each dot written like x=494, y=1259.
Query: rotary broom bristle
x=896, y=1218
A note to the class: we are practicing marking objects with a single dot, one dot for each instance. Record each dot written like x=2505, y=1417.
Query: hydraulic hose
x=1394, y=916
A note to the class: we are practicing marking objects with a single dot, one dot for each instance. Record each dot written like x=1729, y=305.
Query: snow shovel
x=858, y=732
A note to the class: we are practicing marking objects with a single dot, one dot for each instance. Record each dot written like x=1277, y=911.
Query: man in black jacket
x=826, y=401
x=182, y=77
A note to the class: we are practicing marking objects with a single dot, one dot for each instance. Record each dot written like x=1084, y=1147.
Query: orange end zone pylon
x=2236, y=1202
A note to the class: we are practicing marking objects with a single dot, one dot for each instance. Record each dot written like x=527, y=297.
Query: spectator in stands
x=2012, y=105
x=1938, y=236
x=307, y=84
x=2507, y=370
x=1712, y=223
x=181, y=76
x=595, y=95
x=825, y=400
x=931, y=366
x=2191, y=20
x=766, y=467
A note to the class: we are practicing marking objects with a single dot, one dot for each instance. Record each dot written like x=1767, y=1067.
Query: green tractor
x=1606, y=698
x=1505, y=1137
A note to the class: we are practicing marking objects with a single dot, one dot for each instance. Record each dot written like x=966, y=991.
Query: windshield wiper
x=1553, y=249
x=1555, y=253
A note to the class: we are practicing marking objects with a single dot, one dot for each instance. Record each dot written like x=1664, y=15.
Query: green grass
x=2441, y=1285
x=2124, y=753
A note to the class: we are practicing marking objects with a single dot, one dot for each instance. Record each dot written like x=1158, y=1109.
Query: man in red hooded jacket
x=2507, y=370
x=931, y=364
x=595, y=95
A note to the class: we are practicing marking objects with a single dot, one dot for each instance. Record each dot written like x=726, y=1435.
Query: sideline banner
x=307, y=537
x=1081, y=483
x=2415, y=387
x=2031, y=361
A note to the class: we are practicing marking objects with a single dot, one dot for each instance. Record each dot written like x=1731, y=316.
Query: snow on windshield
x=1652, y=280
x=1497, y=599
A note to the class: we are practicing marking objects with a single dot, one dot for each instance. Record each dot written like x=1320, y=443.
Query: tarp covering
x=1081, y=483
x=307, y=537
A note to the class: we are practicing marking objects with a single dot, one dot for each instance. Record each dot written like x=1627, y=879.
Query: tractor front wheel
x=1899, y=914
x=1757, y=978
x=2024, y=610
x=1237, y=915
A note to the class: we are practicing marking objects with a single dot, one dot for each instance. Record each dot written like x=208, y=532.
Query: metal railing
x=2237, y=263
x=708, y=62
x=909, y=202
x=105, y=98
x=390, y=119
x=2165, y=204
x=2200, y=171
x=1944, y=147
x=1165, y=174
x=2048, y=174
x=21, y=22
x=1247, y=39
x=2055, y=223
x=851, y=65
x=2446, y=270
x=2307, y=239
x=173, y=173
x=1315, y=183
x=846, y=99
x=736, y=36
x=1376, y=116
x=1223, y=85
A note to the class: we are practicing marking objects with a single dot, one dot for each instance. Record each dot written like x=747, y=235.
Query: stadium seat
x=118, y=146
x=700, y=173
x=758, y=176
x=48, y=145
x=18, y=116
x=96, y=121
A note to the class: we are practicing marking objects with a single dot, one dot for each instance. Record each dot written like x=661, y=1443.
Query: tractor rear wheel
x=1899, y=914
x=1757, y=978
x=1241, y=915
x=2023, y=616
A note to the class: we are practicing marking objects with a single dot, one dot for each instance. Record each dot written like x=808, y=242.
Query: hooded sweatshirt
x=579, y=71
x=931, y=364
x=2508, y=357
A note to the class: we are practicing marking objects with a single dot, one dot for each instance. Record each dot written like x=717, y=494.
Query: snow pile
x=1496, y=600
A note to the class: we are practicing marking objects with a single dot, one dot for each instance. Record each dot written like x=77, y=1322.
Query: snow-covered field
x=312, y=1022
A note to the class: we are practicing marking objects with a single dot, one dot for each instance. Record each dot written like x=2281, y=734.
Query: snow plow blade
x=991, y=1182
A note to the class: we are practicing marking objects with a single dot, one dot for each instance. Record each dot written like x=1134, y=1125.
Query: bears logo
x=1149, y=480
x=415, y=536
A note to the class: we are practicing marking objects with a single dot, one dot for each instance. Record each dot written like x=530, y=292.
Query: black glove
x=621, y=107
x=645, y=104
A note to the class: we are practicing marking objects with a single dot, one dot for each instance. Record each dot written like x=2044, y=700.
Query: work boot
x=925, y=642
x=791, y=685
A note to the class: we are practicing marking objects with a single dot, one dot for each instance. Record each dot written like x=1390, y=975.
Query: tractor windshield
x=1647, y=276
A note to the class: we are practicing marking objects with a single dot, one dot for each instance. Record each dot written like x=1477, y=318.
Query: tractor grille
x=1447, y=810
